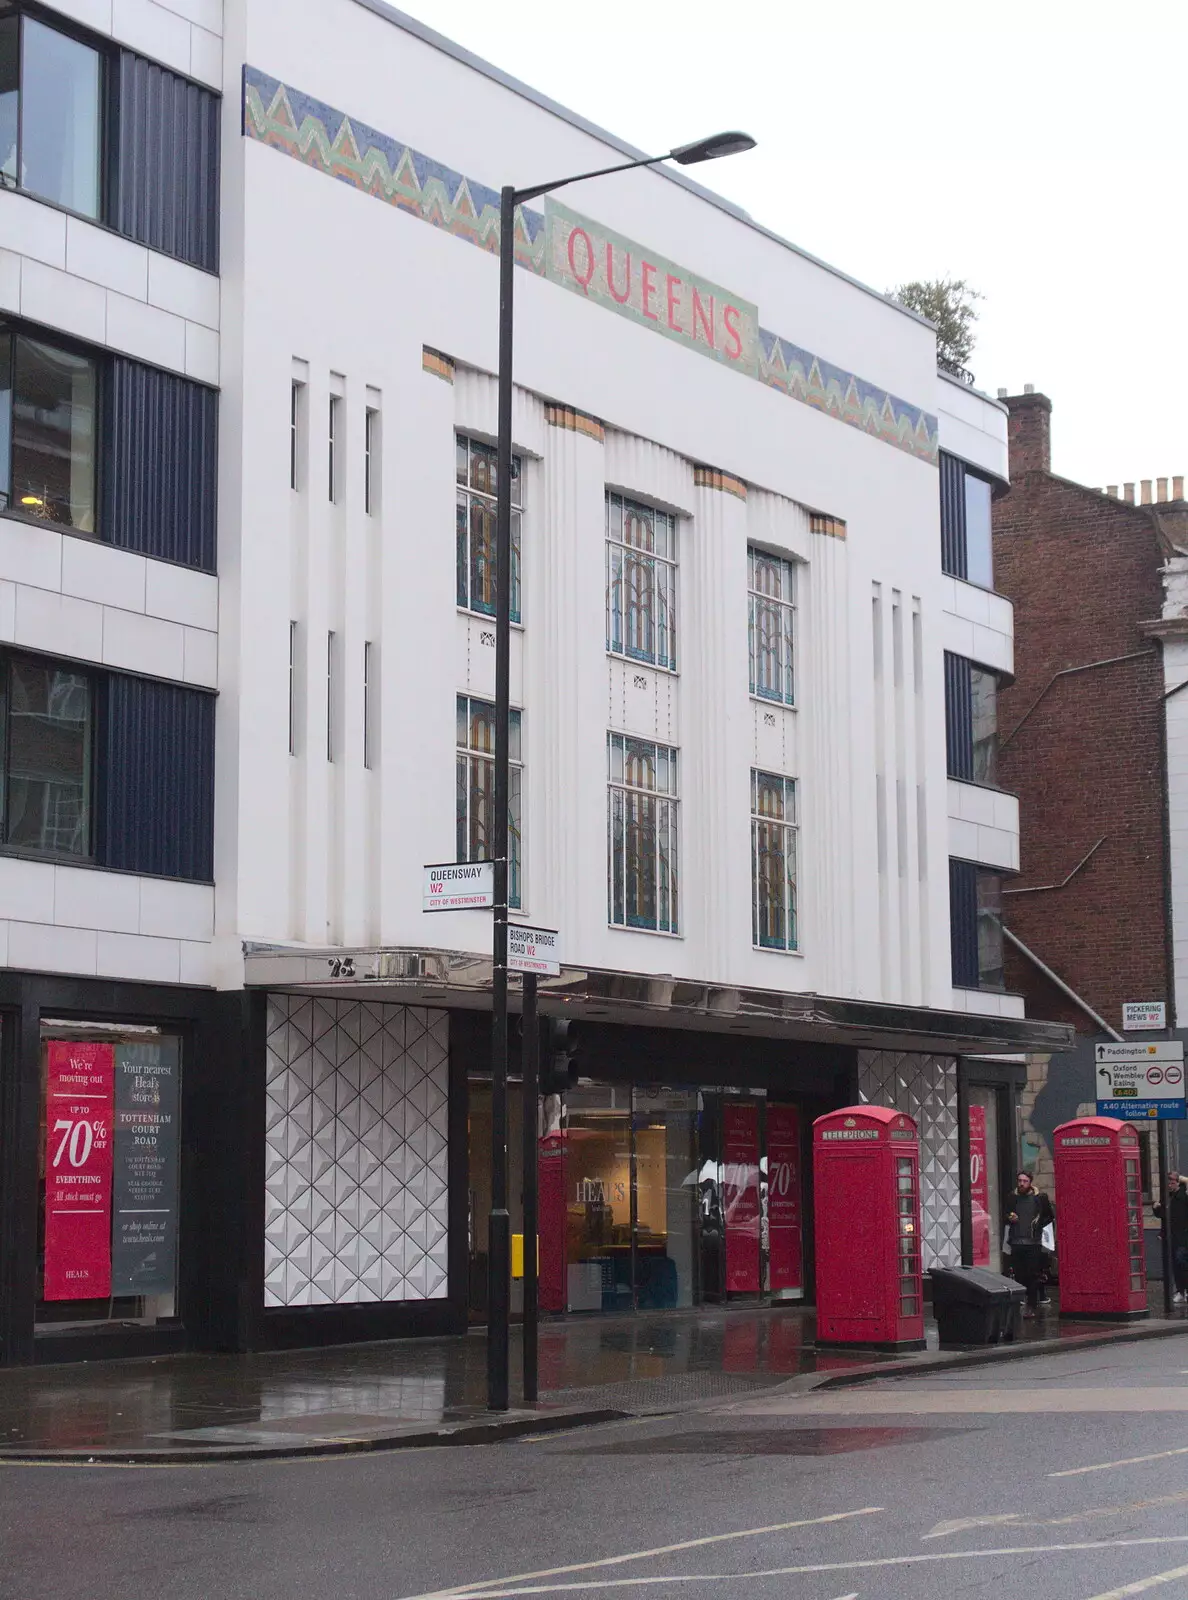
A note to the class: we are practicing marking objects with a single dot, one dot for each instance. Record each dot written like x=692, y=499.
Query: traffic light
x=558, y=1070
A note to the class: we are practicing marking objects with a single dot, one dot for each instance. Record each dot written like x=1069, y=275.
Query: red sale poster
x=740, y=1196
x=552, y=1290
x=785, y=1254
x=78, y=1121
x=979, y=1186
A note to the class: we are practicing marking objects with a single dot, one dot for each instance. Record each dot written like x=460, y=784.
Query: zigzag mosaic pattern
x=333, y=143
x=850, y=399
x=926, y=1088
x=356, y=1176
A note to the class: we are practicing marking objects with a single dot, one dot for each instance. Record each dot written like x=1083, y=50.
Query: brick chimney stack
x=1029, y=431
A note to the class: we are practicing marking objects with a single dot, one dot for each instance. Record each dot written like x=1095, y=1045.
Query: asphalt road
x=1056, y=1478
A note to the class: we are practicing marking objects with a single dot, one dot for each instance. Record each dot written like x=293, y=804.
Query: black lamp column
x=499, y=1227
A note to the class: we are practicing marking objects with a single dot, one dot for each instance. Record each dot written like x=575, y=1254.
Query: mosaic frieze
x=638, y=284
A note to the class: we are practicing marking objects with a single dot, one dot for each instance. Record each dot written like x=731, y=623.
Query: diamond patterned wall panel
x=926, y=1088
x=357, y=1173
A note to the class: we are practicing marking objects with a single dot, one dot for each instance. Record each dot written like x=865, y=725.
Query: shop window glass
x=48, y=406
x=46, y=730
x=110, y=1127
x=983, y=1177
x=598, y=1199
x=632, y=1198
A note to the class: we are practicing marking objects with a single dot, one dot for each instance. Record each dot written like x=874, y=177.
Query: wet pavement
x=404, y=1390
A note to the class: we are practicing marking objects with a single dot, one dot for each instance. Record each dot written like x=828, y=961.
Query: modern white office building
x=248, y=318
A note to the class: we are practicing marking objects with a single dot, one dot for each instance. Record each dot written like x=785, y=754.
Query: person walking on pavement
x=1174, y=1215
x=1028, y=1213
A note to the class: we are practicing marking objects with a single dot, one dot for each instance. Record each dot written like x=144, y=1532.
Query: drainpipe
x=1060, y=984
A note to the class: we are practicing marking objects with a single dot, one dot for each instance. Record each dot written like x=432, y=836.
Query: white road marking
x=1143, y=1584
x=489, y=1593
x=1020, y=1519
x=1127, y=1461
x=642, y=1555
x=963, y=1524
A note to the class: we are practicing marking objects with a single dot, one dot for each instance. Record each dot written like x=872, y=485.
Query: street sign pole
x=1165, y=1238
x=531, y=1095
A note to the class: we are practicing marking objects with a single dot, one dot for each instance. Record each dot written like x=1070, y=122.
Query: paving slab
x=402, y=1394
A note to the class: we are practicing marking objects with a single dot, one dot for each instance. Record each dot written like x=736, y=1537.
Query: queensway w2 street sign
x=459, y=886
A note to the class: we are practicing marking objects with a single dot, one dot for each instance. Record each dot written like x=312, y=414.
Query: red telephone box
x=866, y=1187
x=1099, y=1204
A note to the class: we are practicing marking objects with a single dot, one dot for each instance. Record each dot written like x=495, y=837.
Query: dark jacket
x=1034, y=1212
x=1177, y=1214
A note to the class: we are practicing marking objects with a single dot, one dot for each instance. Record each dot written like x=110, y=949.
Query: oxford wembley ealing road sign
x=1141, y=1082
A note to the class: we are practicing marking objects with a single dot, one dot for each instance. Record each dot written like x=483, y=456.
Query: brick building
x=1081, y=743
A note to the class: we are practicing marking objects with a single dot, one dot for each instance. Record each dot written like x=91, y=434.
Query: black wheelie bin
x=973, y=1305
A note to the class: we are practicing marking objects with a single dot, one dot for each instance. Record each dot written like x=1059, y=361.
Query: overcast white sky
x=1038, y=148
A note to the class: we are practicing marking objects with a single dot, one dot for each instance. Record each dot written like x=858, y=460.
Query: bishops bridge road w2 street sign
x=1141, y=1082
x=535, y=950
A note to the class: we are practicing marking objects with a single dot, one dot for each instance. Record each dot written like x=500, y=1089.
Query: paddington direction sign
x=535, y=950
x=1141, y=1082
x=458, y=886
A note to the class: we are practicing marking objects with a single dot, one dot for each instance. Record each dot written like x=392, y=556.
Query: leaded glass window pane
x=476, y=788
x=773, y=861
x=477, y=476
x=641, y=582
x=642, y=835
x=771, y=584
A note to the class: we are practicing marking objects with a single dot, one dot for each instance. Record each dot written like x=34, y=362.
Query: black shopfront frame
x=1006, y=1079
x=214, y=1254
x=817, y=1077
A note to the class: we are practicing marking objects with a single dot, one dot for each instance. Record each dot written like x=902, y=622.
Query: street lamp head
x=718, y=144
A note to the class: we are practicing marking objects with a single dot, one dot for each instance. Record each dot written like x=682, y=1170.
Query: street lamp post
x=499, y=1226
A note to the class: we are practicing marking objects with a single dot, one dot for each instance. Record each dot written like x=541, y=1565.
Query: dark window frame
x=97, y=709
x=111, y=53
x=966, y=755
x=966, y=908
x=953, y=519
x=107, y=52
x=19, y=327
